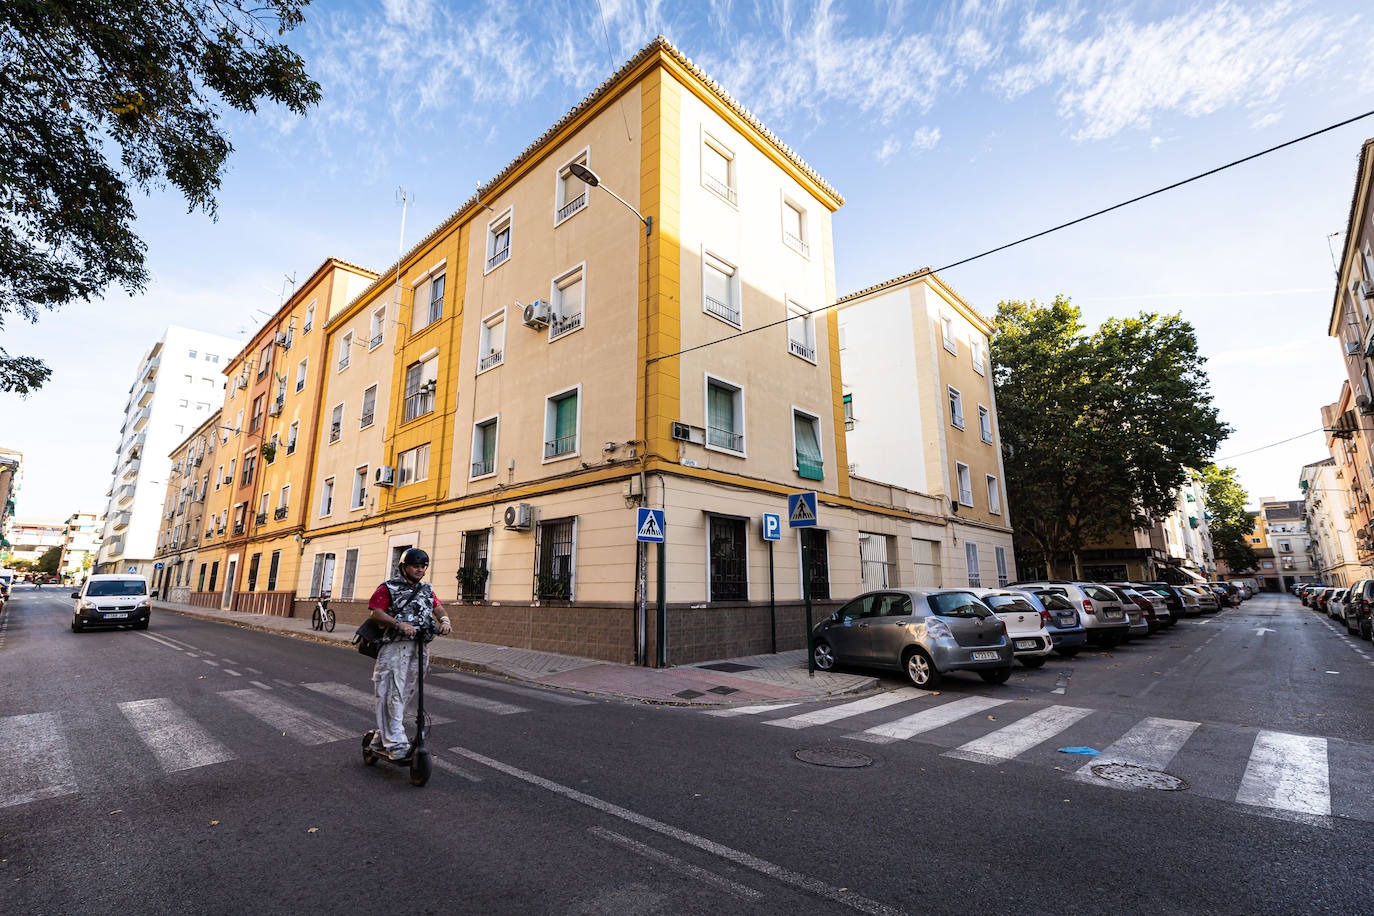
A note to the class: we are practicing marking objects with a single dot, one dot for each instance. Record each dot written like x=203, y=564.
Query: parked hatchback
x=1027, y=625
x=1103, y=615
x=111, y=601
x=1065, y=623
x=925, y=632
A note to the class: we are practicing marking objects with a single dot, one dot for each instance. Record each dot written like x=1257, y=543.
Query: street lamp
x=589, y=178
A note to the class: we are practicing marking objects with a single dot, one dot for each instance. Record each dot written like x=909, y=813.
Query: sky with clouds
x=950, y=128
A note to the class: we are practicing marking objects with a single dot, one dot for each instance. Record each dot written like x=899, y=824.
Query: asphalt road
x=197, y=767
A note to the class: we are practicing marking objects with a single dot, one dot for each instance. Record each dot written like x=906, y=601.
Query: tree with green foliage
x=47, y=564
x=1097, y=428
x=145, y=80
x=1228, y=521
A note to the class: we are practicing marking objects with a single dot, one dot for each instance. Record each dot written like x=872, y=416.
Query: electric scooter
x=416, y=758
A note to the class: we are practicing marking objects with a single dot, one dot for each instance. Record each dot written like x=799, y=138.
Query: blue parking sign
x=772, y=526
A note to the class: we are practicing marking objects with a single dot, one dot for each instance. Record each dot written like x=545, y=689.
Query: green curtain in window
x=488, y=444
x=810, y=464
x=566, y=423
x=720, y=417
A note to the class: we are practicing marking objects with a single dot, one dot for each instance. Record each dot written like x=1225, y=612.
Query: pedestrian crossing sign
x=801, y=510
x=649, y=525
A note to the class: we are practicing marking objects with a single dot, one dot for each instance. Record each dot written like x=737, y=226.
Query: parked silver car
x=1103, y=615
x=925, y=632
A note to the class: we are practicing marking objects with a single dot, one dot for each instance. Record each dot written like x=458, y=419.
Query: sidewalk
x=753, y=679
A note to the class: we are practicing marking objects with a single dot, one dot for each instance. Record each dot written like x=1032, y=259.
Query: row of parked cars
x=930, y=632
x=1350, y=605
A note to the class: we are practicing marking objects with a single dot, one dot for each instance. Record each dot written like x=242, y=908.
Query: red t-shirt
x=381, y=600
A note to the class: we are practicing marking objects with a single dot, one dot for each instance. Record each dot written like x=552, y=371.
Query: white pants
x=394, y=679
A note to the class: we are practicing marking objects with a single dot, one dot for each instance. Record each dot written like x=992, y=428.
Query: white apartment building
x=1187, y=537
x=178, y=383
x=80, y=544
x=1329, y=512
x=11, y=482
x=30, y=539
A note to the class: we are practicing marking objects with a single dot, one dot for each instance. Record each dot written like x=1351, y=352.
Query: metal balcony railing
x=498, y=258
x=260, y=518
x=564, y=325
x=280, y=513
x=721, y=188
x=797, y=242
x=481, y=468
x=564, y=445
x=722, y=310
x=571, y=207
x=725, y=438
x=491, y=359
x=802, y=350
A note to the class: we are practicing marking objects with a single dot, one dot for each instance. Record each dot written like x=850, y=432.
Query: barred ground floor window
x=728, y=577
x=554, y=559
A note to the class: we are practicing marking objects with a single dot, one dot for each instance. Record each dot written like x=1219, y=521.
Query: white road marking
x=252, y=670
x=926, y=720
x=845, y=710
x=777, y=872
x=550, y=696
x=228, y=661
x=1152, y=743
x=676, y=864
x=232, y=672
x=358, y=698
x=260, y=684
x=210, y=661
x=40, y=765
x=455, y=769
x=298, y=724
x=1015, y=739
x=749, y=710
x=467, y=699
x=182, y=645
x=162, y=641
x=175, y=739
x=1289, y=773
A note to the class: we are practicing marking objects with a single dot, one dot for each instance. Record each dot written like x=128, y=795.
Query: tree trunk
x=1077, y=567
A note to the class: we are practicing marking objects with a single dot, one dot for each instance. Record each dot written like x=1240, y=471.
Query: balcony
x=720, y=187
x=114, y=547
x=498, y=258
x=281, y=513
x=483, y=467
x=375, y=340
x=797, y=243
x=335, y=432
x=150, y=368
x=799, y=348
x=571, y=207
x=491, y=360
x=130, y=469
x=724, y=438
x=238, y=528
x=120, y=521
x=140, y=419
x=420, y=403
x=260, y=518
x=722, y=310
x=145, y=395
x=124, y=494
x=564, y=445
x=561, y=326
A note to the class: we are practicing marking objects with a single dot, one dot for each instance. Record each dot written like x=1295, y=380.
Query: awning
x=1190, y=574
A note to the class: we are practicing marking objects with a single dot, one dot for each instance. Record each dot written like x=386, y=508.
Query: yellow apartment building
x=184, y=512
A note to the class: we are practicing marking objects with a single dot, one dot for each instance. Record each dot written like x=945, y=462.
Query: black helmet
x=414, y=556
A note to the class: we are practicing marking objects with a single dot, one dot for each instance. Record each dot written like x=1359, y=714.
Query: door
x=847, y=630
x=887, y=634
x=230, y=572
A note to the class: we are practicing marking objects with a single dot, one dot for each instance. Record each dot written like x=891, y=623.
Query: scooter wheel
x=369, y=758
x=419, y=768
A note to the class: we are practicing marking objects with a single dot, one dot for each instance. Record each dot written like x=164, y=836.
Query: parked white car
x=1030, y=641
x=1335, y=605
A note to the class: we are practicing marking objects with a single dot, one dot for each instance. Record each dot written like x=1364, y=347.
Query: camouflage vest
x=409, y=604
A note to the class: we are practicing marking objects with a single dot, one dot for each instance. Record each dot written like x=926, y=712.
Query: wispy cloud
x=891, y=147
x=925, y=138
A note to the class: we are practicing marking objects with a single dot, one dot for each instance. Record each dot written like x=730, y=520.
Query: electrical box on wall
x=633, y=488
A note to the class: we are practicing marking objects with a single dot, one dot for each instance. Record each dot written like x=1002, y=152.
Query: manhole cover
x=1139, y=777
x=833, y=757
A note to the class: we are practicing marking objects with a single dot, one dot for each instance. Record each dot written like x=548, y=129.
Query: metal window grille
x=554, y=574
x=876, y=569
x=729, y=567
x=818, y=574
x=253, y=571
x=472, y=577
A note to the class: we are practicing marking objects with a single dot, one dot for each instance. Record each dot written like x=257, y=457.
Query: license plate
x=1027, y=644
x=115, y=616
x=1112, y=615
x=1067, y=621
x=985, y=656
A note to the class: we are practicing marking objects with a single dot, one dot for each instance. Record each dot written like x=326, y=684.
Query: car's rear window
x=1009, y=603
x=1054, y=601
x=1098, y=593
x=115, y=587
x=957, y=604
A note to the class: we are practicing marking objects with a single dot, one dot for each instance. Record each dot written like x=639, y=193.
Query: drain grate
x=730, y=667
x=1139, y=777
x=833, y=757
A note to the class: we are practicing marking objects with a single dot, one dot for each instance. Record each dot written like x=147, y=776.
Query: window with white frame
x=300, y=373
x=718, y=169
x=562, y=416
x=350, y=573
x=291, y=435
x=994, y=495
x=848, y=402
x=376, y=330
x=984, y=424
x=807, y=459
x=956, y=408
x=359, y=497
x=336, y=423
x=975, y=573
x=263, y=503
x=429, y=300
x=238, y=422
x=345, y=350
x=484, y=435
x=724, y=415
x=327, y=497
x=369, y=412
x=498, y=240
x=491, y=342
x=567, y=296
x=309, y=318
x=1003, y=575
x=283, y=501
x=965, y=481
x=975, y=348
x=947, y=334
x=570, y=195
x=794, y=227
x=720, y=294
x=413, y=465
x=422, y=379
x=801, y=332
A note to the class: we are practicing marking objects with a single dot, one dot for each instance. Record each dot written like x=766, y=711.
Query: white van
x=1249, y=587
x=109, y=600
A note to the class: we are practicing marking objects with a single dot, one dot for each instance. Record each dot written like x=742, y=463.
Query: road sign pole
x=806, y=590
x=662, y=608
x=772, y=600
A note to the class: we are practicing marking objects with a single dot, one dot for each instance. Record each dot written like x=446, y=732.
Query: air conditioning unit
x=685, y=432
x=1362, y=402
x=384, y=476
x=1352, y=347
x=1367, y=289
x=537, y=314
x=283, y=341
x=276, y=409
x=517, y=516
x=241, y=382
x=228, y=479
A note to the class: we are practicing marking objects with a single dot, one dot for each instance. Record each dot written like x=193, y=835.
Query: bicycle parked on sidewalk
x=323, y=618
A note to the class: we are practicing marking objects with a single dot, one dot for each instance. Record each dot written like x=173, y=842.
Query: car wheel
x=1067, y=653
x=921, y=670
x=996, y=676
x=141, y=625
x=1034, y=662
x=823, y=655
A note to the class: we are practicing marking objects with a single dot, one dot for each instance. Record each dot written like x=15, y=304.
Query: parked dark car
x=1173, y=598
x=1359, y=603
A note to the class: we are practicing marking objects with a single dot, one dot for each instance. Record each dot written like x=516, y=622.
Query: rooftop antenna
x=403, y=201
x=478, y=195
x=1334, y=269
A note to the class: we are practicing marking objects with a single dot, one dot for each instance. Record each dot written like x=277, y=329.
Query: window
x=219, y=479
x=801, y=332
x=309, y=319
x=1284, y=547
x=265, y=361
x=875, y=569
x=806, y=445
x=336, y=424
x=369, y=407
x=816, y=561
x=729, y=567
x=211, y=358
x=238, y=422
x=422, y=378
x=327, y=497
x=1254, y=540
x=975, y=575
x=300, y=373
x=965, y=484
x=183, y=403
x=498, y=240
x=567, y=295
x=429, y=300
x=484, y=447
x=718, y=169
x=250, y=464
x=256, y=420
x=200, y=583
x=724, y=415
x=554, y=552
x=376, y=332
x=848, y=411
x=322, y=576
x=985, y=424
x=413, y=465
x=291, y=437
x=191, y=354
x=350, y=573
x=720, y=289
x=947, y=333
x=926, y=567
x=272, y=569
x=262, y=508
x=794, y=227
x=570, y=195
x=491, y=342
x=561, y=423
x=233, y=468
x=283, y=502
x=473, y=574
x=359, y=499
x=956, y=409
x=994, y=496
x=975, y=347
x=214, y=575
x=345, y=350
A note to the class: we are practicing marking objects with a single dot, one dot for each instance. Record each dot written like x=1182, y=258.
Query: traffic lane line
x=676, y=864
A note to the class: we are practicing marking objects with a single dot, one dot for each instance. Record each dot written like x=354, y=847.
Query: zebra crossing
x=1304, y=778
x=175, y=735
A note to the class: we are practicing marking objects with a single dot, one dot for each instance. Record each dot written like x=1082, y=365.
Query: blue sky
x=949, y=129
